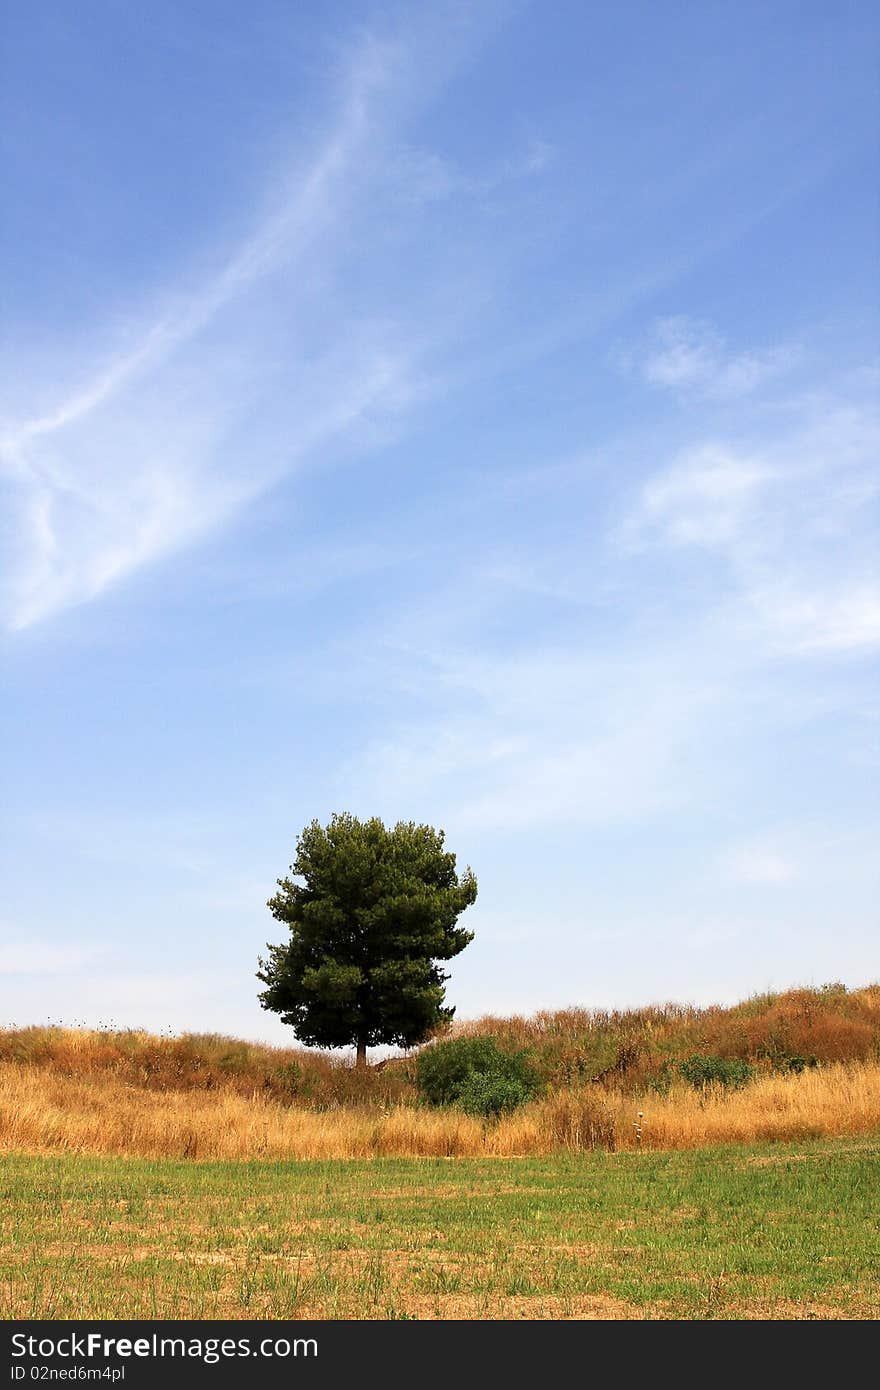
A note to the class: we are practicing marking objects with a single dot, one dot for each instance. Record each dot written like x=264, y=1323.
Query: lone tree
x=376, y=910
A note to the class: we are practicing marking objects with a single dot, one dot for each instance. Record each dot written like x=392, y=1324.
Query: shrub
x=662, y=1080
x=491, y=1093
x=797, y=1063
x=476, y=1075
x=702, y=1071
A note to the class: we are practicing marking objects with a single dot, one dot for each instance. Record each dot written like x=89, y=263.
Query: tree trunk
x=361, y=1053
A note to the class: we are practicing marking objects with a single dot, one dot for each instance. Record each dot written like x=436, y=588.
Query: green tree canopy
x=375, y=912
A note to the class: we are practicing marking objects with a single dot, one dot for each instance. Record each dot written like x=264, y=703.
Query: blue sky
x=463, y=413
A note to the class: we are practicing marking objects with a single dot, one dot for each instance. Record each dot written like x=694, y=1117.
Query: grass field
x=772, y=1231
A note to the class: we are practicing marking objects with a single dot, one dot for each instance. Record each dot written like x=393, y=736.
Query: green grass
x=778, y=1231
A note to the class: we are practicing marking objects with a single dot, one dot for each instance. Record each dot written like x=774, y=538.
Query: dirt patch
x=446, y=1191
x=581, y=1251
x=478, y=1307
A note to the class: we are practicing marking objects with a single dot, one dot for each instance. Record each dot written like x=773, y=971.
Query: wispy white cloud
x=760, y=863
x=736, y=555
x=224, y=388
x=542, y=737
x=792, y=516
x=845, y=619
x=424, y=176
x=704, y=498
x=137, y=461
x=689, y=355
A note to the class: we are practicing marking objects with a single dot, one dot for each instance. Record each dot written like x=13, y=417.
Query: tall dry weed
x=42, y=1111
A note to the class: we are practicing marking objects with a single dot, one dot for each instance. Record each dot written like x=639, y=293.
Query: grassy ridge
x=815, y=1055
x=630, y=1050
x=642, y=1048
x=751, y=1232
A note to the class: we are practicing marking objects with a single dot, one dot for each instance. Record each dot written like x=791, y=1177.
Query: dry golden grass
x=837, y=1100
x=42, y=1111
x=208, y=1096
x=629, y=1049
x=200, y=1062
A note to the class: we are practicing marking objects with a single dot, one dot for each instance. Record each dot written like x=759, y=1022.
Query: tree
x=376, y=911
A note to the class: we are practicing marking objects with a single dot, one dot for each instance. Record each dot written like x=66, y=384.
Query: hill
x=628, y=1050
x=798, y=1064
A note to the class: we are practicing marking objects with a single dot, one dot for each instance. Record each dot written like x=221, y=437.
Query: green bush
x=662, y=1080
x=490, y=1093
x=476, y=1075
x=798, y=1063
x=703, y=1071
